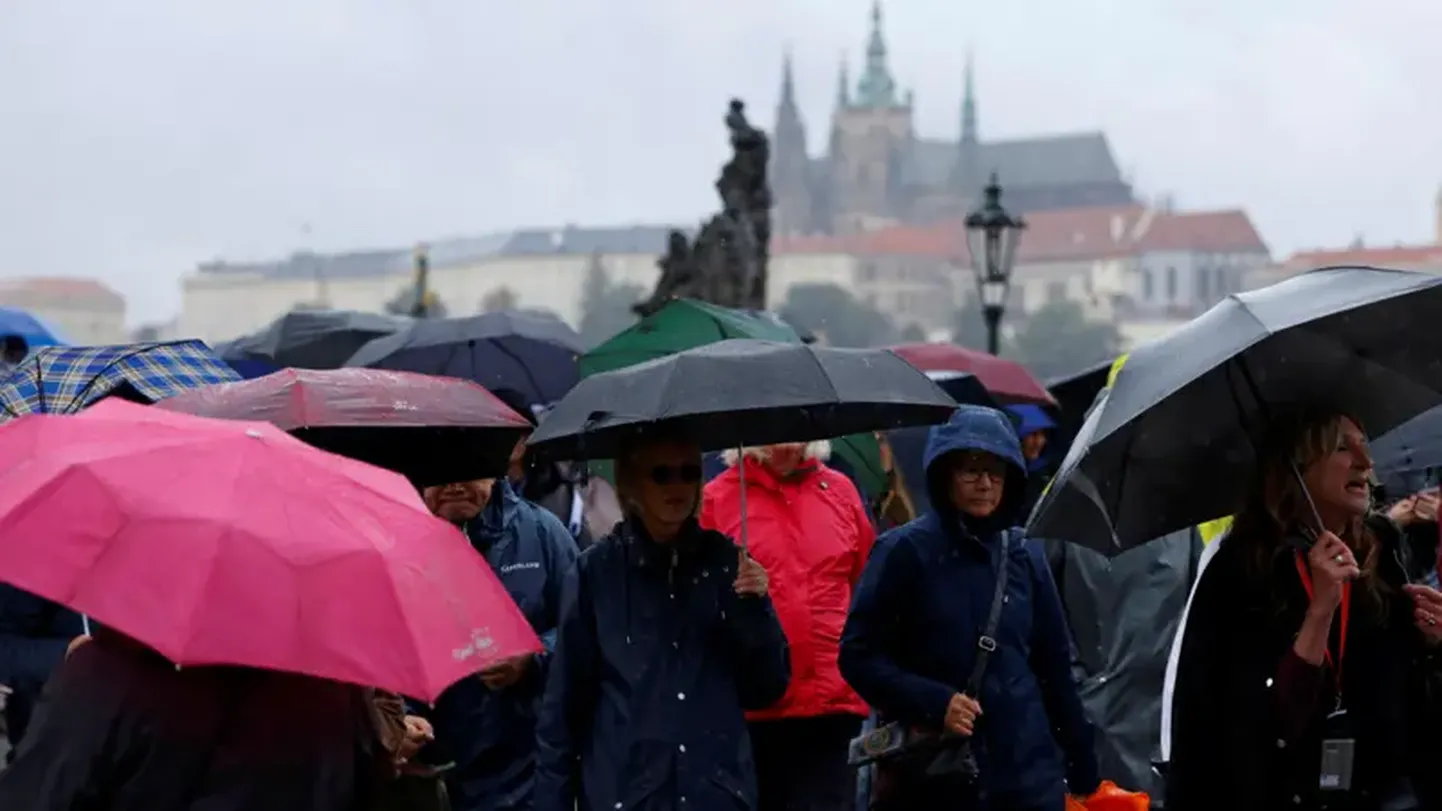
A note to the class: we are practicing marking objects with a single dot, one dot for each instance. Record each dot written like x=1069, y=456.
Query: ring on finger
x=1338, y=558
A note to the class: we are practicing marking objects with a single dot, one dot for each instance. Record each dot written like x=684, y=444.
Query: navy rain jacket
x=490, y=734
x=656, y=661
x=34, y=633
x=909, y=642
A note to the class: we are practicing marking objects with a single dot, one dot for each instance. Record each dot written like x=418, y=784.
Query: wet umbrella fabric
x=218, y=542
x=432, y=430
x=1074, y=395
x=313, y=339
x=1175, y=436
x=63, y=380
x=788, y=393
x=534, y=354
x=1007, y=380
x=1409, y=456
x=964, y=388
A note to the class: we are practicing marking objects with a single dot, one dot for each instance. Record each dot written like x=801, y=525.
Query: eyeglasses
x=973, y=475
x=672, y=474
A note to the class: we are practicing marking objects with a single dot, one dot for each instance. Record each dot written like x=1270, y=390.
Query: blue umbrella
x=63, y=380
x=247, y=368
x=29, y=328
x=533, y=354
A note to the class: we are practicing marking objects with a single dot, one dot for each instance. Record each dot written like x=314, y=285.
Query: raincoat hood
x=489, y=527
x=977, y=428
x=1030, y=419
x=818, y=451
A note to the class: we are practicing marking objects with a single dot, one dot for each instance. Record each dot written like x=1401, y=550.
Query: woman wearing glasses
x=667, y=636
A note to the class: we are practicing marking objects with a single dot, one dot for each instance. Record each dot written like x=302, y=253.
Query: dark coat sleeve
x=568, y=706
x=1051, y=660
x=759, y=650
x=33, y=636
x=67, y=755
x=558, y=555
x=867, y=660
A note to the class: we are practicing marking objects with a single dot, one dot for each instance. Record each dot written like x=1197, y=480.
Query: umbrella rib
x=526, y=369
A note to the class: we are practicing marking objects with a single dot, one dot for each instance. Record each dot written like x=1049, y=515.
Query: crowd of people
x=747, y=630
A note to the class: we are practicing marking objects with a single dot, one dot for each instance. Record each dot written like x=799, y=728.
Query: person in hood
x=1035, y=427
x=120, y=728
x=1307, y=629
x=556, y=486
x=486, y=724
x=667, y=637
x=805, y=523
x=916, y=626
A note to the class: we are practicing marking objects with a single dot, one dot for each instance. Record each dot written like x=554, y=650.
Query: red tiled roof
x=1402, y=256
x=1079, y=233
x=59, y=287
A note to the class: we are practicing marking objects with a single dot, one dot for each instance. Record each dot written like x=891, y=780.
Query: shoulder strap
x=986, y=643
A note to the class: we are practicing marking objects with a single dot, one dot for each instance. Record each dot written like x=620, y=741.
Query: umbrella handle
x=741, y=477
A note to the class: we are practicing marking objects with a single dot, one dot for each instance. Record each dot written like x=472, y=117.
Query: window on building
x=1171, y=283
x=1055, y=292
x=1204, y=283
x=1149, y=291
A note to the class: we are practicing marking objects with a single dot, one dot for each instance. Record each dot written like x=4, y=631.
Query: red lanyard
x=1306, y=574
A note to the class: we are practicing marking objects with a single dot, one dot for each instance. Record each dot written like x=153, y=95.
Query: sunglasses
x=673, y=474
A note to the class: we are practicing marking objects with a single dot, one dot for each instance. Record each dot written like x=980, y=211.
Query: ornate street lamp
x=420, y=308
x=991, y=237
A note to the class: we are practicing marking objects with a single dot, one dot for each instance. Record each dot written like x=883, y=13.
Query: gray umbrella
x=1173, y=441
x=742, y=392
x=313, y=339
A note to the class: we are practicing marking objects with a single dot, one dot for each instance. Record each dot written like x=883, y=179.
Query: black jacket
x=656, y=660
x=1229, y=746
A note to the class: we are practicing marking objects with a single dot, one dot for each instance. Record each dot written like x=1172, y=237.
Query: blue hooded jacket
x=925, y=595
x=1028, y=420
x=490, y=734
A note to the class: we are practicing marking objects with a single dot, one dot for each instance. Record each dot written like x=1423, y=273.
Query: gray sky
x=142, y=136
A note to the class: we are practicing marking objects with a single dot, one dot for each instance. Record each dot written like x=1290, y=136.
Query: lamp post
x=421, y=307
x=991, y=237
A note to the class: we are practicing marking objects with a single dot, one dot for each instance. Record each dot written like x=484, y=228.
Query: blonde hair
x=1277, y=505
x=820, y=451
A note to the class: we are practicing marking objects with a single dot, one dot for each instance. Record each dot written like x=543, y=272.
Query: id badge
x=1337, y=756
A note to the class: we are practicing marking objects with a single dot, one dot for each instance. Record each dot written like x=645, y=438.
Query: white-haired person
x=805, y=523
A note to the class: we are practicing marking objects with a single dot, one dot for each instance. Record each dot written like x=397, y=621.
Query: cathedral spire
x=968, y=107
x=877, y=88
x=788, y=82
x=843, y=86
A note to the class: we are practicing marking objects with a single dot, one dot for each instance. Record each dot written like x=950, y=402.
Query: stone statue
x=726, y=264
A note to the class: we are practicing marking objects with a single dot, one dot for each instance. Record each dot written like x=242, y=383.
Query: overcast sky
x=142, y=136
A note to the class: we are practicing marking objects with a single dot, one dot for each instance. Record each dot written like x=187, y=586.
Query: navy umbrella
x=1409, y=456
x=311, y=339
x=533, y=354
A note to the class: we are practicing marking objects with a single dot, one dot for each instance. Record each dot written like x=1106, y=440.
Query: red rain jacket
x=812, y=535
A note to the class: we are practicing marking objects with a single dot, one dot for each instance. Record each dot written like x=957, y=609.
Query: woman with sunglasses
x=807, y=525
x=667, y=636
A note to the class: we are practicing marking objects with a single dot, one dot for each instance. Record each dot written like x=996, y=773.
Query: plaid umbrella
x=65, y=379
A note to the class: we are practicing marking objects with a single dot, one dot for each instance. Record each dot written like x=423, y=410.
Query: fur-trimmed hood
x=818, y=451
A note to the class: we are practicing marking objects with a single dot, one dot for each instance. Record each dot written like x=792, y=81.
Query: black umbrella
x=311, y=339
x=964, y=388
x=531, y=353
x=1408, y=456
x=742, y=392
x=1074, y=395
x=1174, y=437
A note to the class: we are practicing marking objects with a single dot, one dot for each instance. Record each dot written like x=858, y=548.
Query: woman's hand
x=1332, y=565
x=961, y=715
x=750, y=577
x=1426, y=611
x=418, y=734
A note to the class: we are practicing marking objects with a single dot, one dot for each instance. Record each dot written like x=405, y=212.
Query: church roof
x=1051, y=160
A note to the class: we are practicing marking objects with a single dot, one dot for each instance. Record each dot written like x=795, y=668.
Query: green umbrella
x=685, y=324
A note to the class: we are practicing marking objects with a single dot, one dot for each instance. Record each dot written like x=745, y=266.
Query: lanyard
x=1346, y=608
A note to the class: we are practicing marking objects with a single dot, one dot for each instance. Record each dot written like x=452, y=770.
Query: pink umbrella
x=226, y=542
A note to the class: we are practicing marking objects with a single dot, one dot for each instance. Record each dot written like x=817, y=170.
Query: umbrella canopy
x=1176, y=431
x=792, y=393
x=433, y=430
x=531, y=353
x=219, y=542
x=1074, y=395
x=28, y=327
x=686, y=324
x=1414, y=447
x=1007, y=380
x=964, y=388
x=313, y=339
x=63, y=380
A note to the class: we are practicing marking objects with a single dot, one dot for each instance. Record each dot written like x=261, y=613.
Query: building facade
x=878, y=171
x=85, y=311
